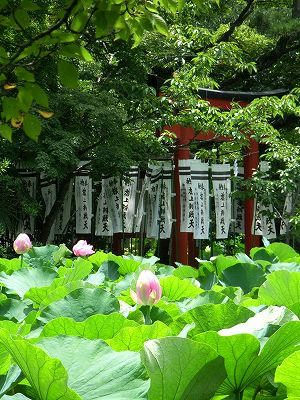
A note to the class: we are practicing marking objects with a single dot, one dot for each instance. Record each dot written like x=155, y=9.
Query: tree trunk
x=51, y=217
x=296, y=9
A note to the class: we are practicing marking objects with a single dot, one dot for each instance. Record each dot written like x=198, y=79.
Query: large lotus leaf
x=245, y=275
x=221, y=262
x=26, y=278
x=96, y=279
x=11, y=378
x=185, y=271
x=96, y=371
x=56, y=291
x=62, y=285
x=279, y=346
x=143, y=260
x=263, y=323
x=244, y=364
x=171, y=308
x=282, y=250
x=110, y=270
x=208, y=297
x=164, y=270
x=262, y=254
x=9, y=266
x=212, y=317
x=81, y=304
x=181, y=369
x=126, y=265
x=45, y=374
x=14, y=309
x=41, y=257
x=295, y=308
x=133, y=338
x=60, y=254
x=282, y=288
x=18, y=396
x=288, y=374
x=122, y=285
x=95, y=327
x=98, y=258
x=288, y=266
x=176, y=289
x=243, y=258
x=80, y=270
x=5, y=357
x=238, y=352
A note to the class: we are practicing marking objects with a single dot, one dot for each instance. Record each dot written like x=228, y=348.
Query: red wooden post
x=117, y=244
x=251, y=162
x=179, y=239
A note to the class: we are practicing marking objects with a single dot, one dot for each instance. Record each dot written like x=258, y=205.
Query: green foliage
x=72, y=335
x=37, y=31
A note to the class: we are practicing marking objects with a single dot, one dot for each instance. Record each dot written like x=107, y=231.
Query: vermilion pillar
x=251, y=162
x=117, y=244
x=180, y=239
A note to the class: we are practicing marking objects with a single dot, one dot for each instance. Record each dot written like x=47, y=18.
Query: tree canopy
x=81, y=79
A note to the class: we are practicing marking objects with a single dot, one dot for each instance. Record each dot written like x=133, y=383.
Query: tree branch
x=47, y=32
x=285, y=45
x=238, y=22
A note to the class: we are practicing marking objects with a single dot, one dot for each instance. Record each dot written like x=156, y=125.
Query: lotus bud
x=81, y=248
x=148, y=289
x=22, y=244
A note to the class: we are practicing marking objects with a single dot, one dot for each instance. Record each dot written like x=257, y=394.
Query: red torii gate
x=183, y=244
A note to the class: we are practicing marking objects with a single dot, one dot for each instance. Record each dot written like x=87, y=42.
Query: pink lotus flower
x=22, y=243
x=81, y=248
x=148, y=289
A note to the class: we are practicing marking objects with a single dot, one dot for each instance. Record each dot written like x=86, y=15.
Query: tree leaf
x=75, y=51
x=68, y=74
x=29, y=5
x=45, y=374
x=79, y=21
x=22, y=17
x=11, y=108
x=32, y=126
x=81, y=304
x=96, y=371
x=6, y=131
x=23, y=75
x=37, y=93
x=25, y=98
x=160, y=24
x=181, y=369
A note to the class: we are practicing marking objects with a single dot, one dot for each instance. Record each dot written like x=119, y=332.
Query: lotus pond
x=70, y=327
